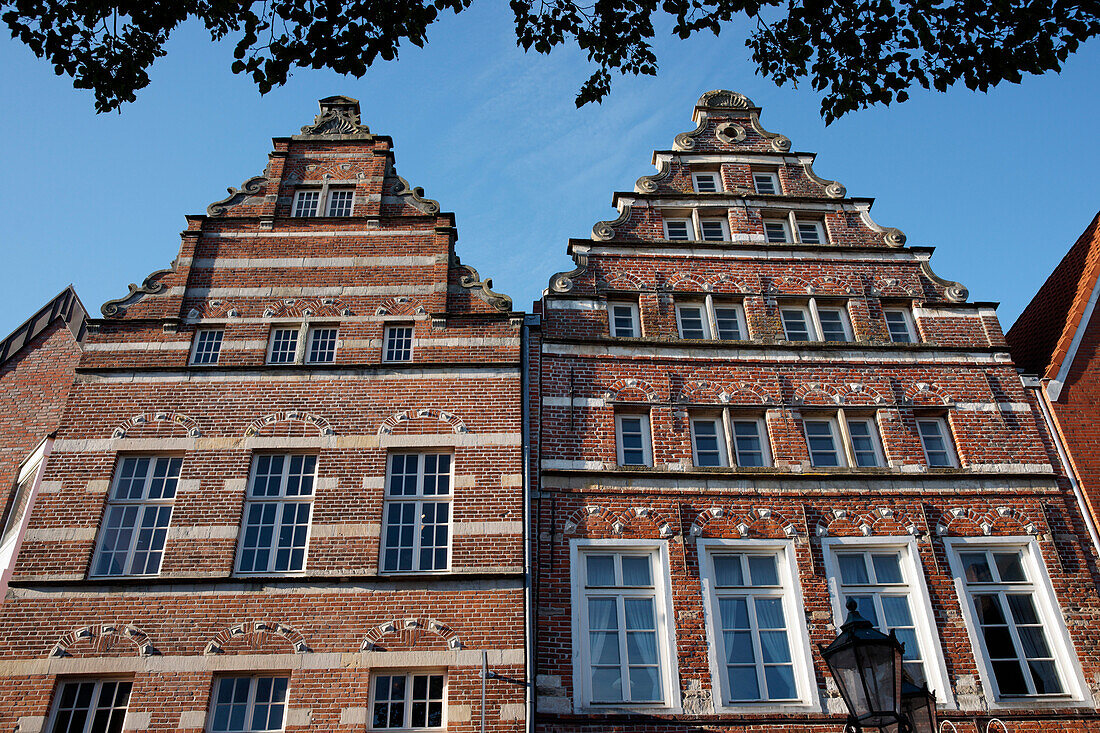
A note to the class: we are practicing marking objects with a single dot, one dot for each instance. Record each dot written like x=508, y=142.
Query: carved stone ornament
x=413, y=196
x=730, y=132
x=484, y=288
x=605, y=230
x=954, y=291
x=686, y=140
x=649, y=184
x=724, y=99
x=113, y=308
x=779, y=143
x=833, y=189
x=251, y=187
x=562, y=282
x=339, y=116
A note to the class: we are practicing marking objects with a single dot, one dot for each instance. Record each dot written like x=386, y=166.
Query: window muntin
x=277, y=513
x=407, y=700
x=322, y=345
x=623, y=319
x=824, y=444
x=811, y=232
x=417, y=529
x=766, y=182
x=679, y=230
x=777, y=231
x=714, y=230
x=935, y=437
x=207, y=346
x=729, y=322
x=863, y=436
x=693, y=321
x=340, y=201
x=139, y=509
x=750, y=442
x=284, y=346
x=1011, y=622
x=797, y=325
x=621, y=626
x=835, y=325
x=398, y=343
x=900, y=326
x=875, y=580
x=708, y=441
x=249, y=704
x=633, y=440
x=306, y=202
x=705, y=182
x=90, y=706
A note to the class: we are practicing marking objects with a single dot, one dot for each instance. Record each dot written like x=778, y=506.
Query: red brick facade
x=330, y=244
x=739, y=310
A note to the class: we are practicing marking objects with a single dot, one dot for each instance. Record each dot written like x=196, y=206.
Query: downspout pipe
x=1063, y=455
x=529, y=609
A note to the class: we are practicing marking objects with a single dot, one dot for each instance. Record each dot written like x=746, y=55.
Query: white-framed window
x=840, y=440
x=416, y=532
x=716, y=437
x=1014, y=621
x=706, y=319
x=207, y=346
x=408, y=700
x=21, y=501
x=815, y=321
x=283, y=346
x=277, y=513
x=306, y=201
x=139, y=510
x=884, y=577
x=899, y=323
x=89, y=705
x=397, y=344
x=805, y=230
x=623, y=626
x=766, y=182
x=623, y=319
x=679, y=230
x=714, y=230
x=935, y=437
x=706, y=182
x=632, y=439
x=321, y=348
x=248, y=704
x=759, y=646
x=333, y=201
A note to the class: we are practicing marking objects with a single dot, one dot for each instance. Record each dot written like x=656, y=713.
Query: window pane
x=795, y=324
x=832, y=324
x=762, y=570
x=416, y=535
x=713, y=230
x=691, y=322
x=765, y=183
x=135, y=523
x=864, y=444
x=305, y=203
x=729, y=325
x=776, y=231
x=810, y=232
x=819, y=436
x=636, y=570
x=887, y=568
x=1009, y=568
x=935, y=444
x=322, y=345
x=976, y=567
x=706, y=182
x=622, y=321
x=601, y=570
x=728, y=571
x=853, y=568
x=709, y=448
x=633, y=441
x=398, y=343
x=284, y=345
x=208, y=345
x=340, y=202
x=678, y=230
x=898, y=326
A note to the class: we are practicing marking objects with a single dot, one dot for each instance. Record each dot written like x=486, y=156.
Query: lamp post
x=867, y=667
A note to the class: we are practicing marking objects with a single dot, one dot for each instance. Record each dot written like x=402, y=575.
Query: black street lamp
x=866, y=665
x=918, y=704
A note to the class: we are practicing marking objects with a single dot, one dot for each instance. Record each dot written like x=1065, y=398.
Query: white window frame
x=710, y=317
x=845, y=319
x=647, y=437
x=810, y=308
x=408, y=674
x=55, y=702
x=720, y=435
x=251, y=704
x=1046, y=602
x=875, y=433
x=144, y=505
x=842, y=436
x=721, y=221
x=324, y=200
x=686, y=221
x=727, y=437
x=773, y=176
x=935, y=666
x=948, y=439
x=199, y=334
x=16, y=518
x=907, y=317
x=275, y=328
x=793, y=611
x=719, y=186
x=665, y=618
x=387, y=335
x=839, y=442
x=635, y=320
x=790, y=224
x=419, y=498
x=282, y=498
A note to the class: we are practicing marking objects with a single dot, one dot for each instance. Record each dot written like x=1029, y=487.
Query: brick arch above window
x=288, y=423
x=101, y=640
x=400, y=306
x=831, y=285
x=408, y=632
x=250, y=636
x=303, y=307
x=630, y=389
x=687, y=282
x=614, y=280
x=816, y=393
x=156, y=424
x=762, y=522
x=969, y=522
x=857, y=393
x=925, y=394
x=595, y=521
x=725, y=283
x=788, y=286
x=882, y=521
x=405, y=417
x=887, y=286
x=216, y=309
x=709, y=391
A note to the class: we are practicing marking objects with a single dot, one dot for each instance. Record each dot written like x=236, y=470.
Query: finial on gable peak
x=724, y=99
x=339, y=116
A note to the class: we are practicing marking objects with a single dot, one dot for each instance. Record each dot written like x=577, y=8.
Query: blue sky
x=1001, y=183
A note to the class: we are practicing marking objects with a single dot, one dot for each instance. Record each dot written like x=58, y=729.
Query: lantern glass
x=919, y=705
x=867, y=667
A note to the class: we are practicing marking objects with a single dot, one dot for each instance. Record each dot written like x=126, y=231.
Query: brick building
x=1055, y=342
x=286, y=487
x=751, y=404
x=37, y=365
